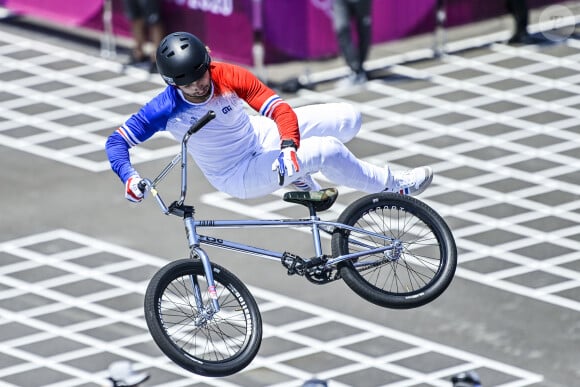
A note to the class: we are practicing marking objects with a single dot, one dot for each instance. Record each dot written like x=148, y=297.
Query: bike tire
x=220, y=346
x=419, y=273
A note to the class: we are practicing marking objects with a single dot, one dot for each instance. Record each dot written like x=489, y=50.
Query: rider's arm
x=280, y=111
x=118, y=153
x=264, y=100
x=137, y=129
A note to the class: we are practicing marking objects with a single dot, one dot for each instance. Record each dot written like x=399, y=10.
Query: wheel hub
x=394, y=254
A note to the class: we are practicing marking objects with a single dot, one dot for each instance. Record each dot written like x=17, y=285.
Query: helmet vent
x=184, y=46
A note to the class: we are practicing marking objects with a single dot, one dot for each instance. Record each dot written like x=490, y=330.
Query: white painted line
x=277, y=363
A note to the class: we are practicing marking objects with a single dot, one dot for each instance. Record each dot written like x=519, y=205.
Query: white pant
x=324, y=129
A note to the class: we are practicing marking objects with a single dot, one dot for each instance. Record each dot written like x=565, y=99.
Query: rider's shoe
x=412, y=181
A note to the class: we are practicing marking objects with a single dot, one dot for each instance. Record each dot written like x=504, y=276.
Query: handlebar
x=147, y=184
x=210, y=115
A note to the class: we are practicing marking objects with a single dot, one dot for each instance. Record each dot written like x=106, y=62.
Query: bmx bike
x=392, y=250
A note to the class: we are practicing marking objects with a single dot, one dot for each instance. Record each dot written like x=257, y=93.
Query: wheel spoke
x=198, y=333
x=416, y=264
x=420, y=256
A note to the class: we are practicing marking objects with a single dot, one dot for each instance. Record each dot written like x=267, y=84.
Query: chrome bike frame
x=314, y=223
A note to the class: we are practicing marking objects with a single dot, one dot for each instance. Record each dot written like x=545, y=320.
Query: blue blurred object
x=466, y=379
x=315, y=383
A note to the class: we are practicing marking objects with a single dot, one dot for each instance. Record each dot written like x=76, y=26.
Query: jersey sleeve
x=150, y=119
x=264, y=100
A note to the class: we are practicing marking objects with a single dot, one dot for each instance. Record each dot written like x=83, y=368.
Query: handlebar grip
x=142, y=185
x=210, y=115
x=281, y=170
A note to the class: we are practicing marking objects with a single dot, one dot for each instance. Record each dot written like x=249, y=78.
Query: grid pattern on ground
x=500, y=125
x=62, y=105
x=70, y=305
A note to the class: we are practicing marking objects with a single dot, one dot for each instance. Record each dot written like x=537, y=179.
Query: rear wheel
x=418, y=268
x=184, y=326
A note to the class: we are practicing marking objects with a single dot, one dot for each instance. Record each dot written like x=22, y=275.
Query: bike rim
x=199, y=333
x=407, y=269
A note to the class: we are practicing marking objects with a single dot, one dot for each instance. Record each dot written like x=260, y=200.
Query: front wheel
x=420, y=263
x=182, y=321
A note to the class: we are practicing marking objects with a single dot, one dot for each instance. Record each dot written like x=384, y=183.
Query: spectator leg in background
x=139, y=40
x=363, y=21
x=519, y=11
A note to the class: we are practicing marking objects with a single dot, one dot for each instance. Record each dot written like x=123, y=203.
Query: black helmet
x=182, y=58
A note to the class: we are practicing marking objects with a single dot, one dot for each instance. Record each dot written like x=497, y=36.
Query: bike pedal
x=293, y=263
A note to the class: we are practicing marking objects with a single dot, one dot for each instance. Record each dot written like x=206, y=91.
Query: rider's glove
x=132, y=191
x=287, y=161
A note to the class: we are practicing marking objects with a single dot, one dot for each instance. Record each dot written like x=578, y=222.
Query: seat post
x=315, y=230
x=312, y=210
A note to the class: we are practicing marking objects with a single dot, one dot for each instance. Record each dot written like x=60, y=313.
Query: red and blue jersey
x=224, y=141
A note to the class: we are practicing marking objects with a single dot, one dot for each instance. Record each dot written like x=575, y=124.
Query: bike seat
x=320, y=200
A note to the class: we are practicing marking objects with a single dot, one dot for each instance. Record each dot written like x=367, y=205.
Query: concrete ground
x=499, y=124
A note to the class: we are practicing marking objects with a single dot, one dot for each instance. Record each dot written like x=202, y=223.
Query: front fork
x=195, y=250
